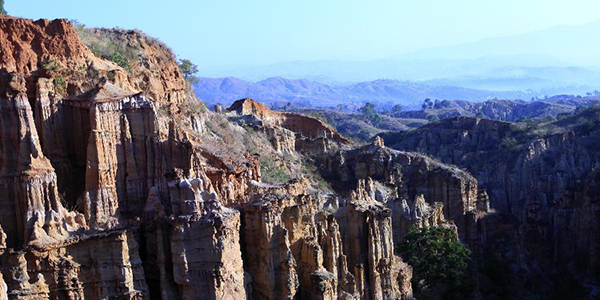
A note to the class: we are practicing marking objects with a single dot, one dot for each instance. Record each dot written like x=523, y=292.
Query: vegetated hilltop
x=278, y=92
x=542, y=179
x=363, y=126
x=118, y=183
x=501, y=110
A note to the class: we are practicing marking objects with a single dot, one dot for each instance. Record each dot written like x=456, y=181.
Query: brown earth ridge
x=117, y=183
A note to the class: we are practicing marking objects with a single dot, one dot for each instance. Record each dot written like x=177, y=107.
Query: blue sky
x=253, y=32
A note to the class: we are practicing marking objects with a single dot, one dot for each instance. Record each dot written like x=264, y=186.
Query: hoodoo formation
x=117, y=183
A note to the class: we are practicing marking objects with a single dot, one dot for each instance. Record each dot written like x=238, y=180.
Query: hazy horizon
x=239, y=34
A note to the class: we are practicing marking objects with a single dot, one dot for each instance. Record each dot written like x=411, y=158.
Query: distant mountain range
x=562, y=59
x=278, y=92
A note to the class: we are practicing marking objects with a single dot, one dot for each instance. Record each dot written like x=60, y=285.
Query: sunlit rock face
x=116, y=183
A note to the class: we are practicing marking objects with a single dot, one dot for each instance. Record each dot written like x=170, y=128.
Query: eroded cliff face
x=545, y=217
x=116, y=182
x=85, y=144
x=296, y=250
x=408, y=188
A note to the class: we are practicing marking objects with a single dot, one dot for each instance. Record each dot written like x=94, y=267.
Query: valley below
x=117, y=182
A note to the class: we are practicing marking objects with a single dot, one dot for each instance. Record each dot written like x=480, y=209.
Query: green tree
x=189, y=70
x=371, y=114
x=397, y=108
x=445, y=103
x=433, y=118
x=439, y=260
x=2, y=10
x=368, y=109
x=427, y=104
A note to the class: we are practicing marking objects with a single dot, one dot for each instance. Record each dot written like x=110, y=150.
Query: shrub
x=111, y=75
x=2, y=11
x=585, y=125
x=189, y=70
x=579, y=109
x=60, y=84
x=52, y=65
x=371, y=115
x=107, y=45
x=397, y=108
x=433, y=118
x=437, y=257
x=271, y=173
x=118, y=58
x=509, y=142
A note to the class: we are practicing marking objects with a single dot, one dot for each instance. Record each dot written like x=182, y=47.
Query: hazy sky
x=252, y=32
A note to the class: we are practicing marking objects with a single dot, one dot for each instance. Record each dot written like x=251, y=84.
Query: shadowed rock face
x=540, y=188
x=113, y=185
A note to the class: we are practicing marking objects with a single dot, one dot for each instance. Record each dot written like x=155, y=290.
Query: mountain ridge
x=279, y=91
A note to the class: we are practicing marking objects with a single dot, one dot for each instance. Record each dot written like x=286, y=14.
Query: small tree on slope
x=439, y=262
x=2, y=11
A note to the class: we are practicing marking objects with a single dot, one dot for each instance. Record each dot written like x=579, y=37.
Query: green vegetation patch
x=439, y=262
x=107, y=46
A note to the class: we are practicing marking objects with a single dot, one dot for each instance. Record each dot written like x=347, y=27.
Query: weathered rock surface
x=418, y=189
x=97, y=266
x=115, y=184
x=546, y=221
x=295, y=250
x=307, y=126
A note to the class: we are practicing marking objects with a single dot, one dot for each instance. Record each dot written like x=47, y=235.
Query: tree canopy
x=438, y=259
x=371, y=114
x=2, y=10
x=397, y=108
x=433, y=118
x=188, y=69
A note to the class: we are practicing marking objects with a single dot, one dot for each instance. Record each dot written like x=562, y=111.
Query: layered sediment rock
x=539, y=188
x=31, y=208
x=96, y=266
x=205, y=244
x=115, y=186
x=308, y=127
x=295, y=250
x=62, y=110
x=418, y=189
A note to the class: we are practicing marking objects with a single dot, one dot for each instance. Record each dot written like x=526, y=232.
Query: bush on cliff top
x=189, y=70
x=112, y=44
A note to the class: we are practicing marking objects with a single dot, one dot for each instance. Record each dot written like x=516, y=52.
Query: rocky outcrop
x=503, y=110
x=96, y=266
x=296, y=250
x=307, y=126
x=205, y=245
x=536, y=184
x=415, y=187
x=115, y=183
x=85, y=151
x=31, y=208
